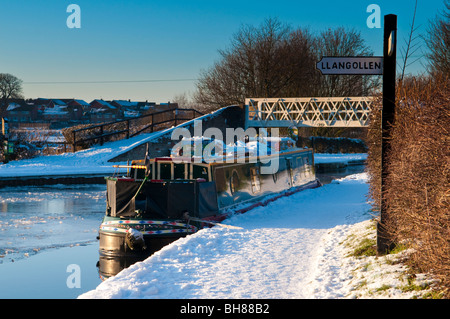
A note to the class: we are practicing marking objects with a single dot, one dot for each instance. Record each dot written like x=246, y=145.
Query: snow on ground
x=90, y=161
x=371, y=277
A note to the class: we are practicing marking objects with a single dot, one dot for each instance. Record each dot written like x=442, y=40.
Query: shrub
x=417, y=191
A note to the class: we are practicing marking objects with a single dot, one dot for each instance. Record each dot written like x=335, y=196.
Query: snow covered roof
x=82, y=102
x=12, y=106
x=126, y=103
x=58, y=102
x=131, y=113
x=104, y=103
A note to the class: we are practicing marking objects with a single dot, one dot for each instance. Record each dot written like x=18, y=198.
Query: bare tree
x=267, y=61
x=342, y=42
x=10, y=88
x=438, y=42
x=182, y=100
x=275, y=60
x=412, y=46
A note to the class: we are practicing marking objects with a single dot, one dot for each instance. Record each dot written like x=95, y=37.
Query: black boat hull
x=114, y=244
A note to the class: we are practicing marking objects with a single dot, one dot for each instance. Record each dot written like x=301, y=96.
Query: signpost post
x=384, y=243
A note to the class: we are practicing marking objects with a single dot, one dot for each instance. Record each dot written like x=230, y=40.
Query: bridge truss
x=308, y=112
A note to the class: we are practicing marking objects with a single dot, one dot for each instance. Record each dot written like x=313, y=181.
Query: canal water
x=48, y=239
x=44, y=231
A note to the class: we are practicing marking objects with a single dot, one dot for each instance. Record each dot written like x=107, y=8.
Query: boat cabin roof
x=187, y=166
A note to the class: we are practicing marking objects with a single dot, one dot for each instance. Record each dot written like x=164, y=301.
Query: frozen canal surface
x=43, y=230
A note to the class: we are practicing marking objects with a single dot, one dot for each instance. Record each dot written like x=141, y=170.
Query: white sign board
x=372, y=65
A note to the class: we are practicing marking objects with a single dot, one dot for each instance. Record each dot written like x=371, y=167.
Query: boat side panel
x=235, y=182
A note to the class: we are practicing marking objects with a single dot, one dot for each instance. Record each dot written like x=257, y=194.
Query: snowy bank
x=90, y=161
x=287, y=249
x=372, y=277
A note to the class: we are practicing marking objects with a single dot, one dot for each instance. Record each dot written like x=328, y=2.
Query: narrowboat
x=162, y=199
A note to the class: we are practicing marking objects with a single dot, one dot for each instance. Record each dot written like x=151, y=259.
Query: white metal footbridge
x=308, y=112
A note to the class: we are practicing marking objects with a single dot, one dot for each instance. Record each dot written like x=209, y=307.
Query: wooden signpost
x=384, y=243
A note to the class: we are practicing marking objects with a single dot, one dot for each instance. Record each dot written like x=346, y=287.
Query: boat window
x=139, y=173
x=256, y=183
x=300, y=162
x=234, y=182
x=220, y=178
x=165, y=171
x=179, y=171
x=199, y=171
x=308, y=168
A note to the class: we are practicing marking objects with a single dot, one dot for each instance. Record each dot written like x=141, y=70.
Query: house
x=124, y=104
x=57, y=113
x=130, y=108
x=100, y=115
x=56, y=103
x=102, y=111
x=39, y=103
x=51, y=110
x=137, y=105
x=19, y=111
x=98, y=104
x=76, y=102
x=61, y=112
x=77, y=108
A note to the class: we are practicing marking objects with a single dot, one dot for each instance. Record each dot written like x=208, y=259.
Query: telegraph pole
x=384, y=243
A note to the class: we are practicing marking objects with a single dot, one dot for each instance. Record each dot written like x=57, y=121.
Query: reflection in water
x=111, y=262
x=109, y=266
x=327, y=176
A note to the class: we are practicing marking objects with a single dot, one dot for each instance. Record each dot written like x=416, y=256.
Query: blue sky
x=160, y=40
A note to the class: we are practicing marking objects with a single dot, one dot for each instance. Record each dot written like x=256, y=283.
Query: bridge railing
x=308, y=112
x=131, y=127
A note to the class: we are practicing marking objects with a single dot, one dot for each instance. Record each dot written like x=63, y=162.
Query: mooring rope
x=150, y=232
x=144, y=222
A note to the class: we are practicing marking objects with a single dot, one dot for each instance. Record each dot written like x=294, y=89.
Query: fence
x=131, y=127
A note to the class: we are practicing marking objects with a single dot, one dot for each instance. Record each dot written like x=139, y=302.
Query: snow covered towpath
x=288, y=249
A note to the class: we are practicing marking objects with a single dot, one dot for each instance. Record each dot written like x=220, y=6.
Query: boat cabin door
x=289, y=169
